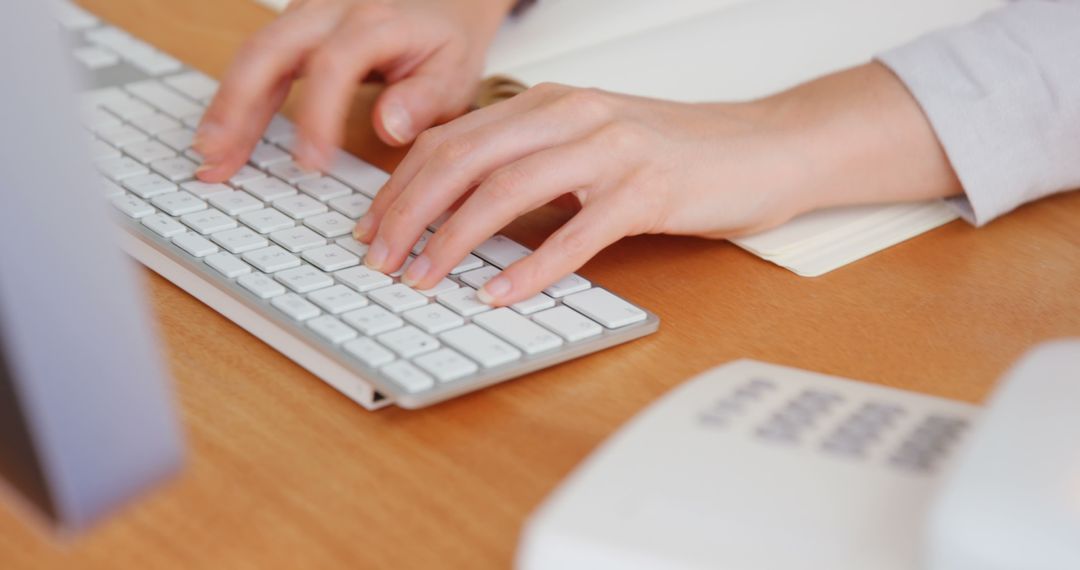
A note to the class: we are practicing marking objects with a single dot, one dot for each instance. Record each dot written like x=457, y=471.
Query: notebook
x=730, y=50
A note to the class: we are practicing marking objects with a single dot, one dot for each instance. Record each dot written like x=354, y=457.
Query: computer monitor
x=86, y=418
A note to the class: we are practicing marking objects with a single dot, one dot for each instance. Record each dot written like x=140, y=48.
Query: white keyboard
x=272, y=249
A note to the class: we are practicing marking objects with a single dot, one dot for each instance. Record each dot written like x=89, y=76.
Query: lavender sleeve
x=1003, y=96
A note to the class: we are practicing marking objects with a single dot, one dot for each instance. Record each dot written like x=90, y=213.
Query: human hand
x=638, y=166
x=430, y=52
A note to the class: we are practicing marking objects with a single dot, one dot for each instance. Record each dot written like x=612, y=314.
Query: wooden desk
x=286, y=473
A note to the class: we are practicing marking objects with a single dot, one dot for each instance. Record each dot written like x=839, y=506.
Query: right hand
x=429, y=52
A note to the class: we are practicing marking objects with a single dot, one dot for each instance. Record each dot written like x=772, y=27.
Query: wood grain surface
x=283, y=472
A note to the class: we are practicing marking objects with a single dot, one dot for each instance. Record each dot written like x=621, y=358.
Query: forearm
x=862, y=138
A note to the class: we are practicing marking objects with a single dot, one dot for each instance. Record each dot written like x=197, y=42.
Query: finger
x=415, y=103
x=223, y=167
x=270, y=56
x=429, y=141
x=598, y=225
x=508, y=193
x=363, y=42
x=461, y=163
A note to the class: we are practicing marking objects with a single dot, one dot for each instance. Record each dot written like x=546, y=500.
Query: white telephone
x=752, y=466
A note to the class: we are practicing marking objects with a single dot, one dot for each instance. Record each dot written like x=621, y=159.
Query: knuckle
x=429, y=140
x=329, y=62
x=622, y=137
x=453, y=151
x=587, y=102
x=446, y=241
x=504, y=183
x=547, y=89
x=573, y=243
x=372, y=12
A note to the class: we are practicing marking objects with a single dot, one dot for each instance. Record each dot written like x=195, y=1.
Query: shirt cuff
x=993, y=92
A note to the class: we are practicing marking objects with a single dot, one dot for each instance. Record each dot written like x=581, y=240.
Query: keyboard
x=272, y=250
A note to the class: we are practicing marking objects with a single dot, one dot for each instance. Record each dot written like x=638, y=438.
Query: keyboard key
x=228, y=265
x=155, y=124
x=121, y=136
x=154, y=62
x=369, y=352
x=178, y=203
x=268, y=189
x=132, y=206
x=446, y=364
x=95, y=118
x=304, y=279
x=373, y=320
x=245, y=174
x=128, y=109
x=443, y=286
x=264, y=155
x=291, y=172
x=480, y=345
x=570, y=284
x=204, y=190
x=266, y=220
x=470, y=263
x=118, y=169
x=208, y=222
x=195, y=244
x=331, y=329
x=534, y=304
x=164, y=99
x=95, y=57
x=352, y=246
x=358, y=174
x=279, y=129
x=110, y=189
x=478, y=277
x=418, y=247
x=239, y=240
x=324, y=189
x=338, y=299
x=330, y=224
x=193, y=84
x=404, y=267
x=568, y=323
x=409, y=377
x=262, y=286
x=330, y=258
x=605, y=308
x=463, y=301
x=352, y=206
x=148, y=151
x=363, y=278
x=101, y=150
x=235, y=203
x=148, y=185
x=501, y=251
x=433, y=319
x=518, y=330
x=297, y=239
x=176, y=168
x=295, y=306
x=271, y=259
x=178, y=139
x=71, y=17
x=163, y=225
x=398, y=298
x=408, y=341
x=300, y=206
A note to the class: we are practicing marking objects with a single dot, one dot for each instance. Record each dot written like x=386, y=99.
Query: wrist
x=861, y=138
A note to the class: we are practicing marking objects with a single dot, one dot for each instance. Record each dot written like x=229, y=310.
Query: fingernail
x=363, y=227
x=496, y=288
x=376, y=255
x=418, y=269
x=397, y=122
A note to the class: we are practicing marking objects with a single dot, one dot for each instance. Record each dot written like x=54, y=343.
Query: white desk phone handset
x=752, y=466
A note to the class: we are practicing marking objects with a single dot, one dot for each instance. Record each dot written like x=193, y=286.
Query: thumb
x=410, y=106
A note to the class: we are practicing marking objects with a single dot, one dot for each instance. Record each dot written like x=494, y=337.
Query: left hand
x=640, y=165
x=634, y=165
